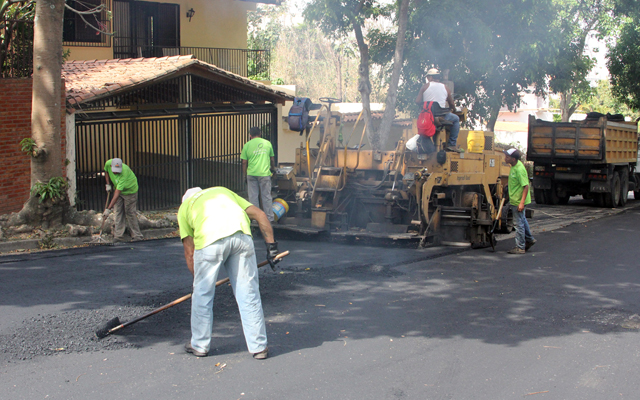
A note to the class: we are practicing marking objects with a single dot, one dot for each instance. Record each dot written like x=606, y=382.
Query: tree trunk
x=493, y=117
x=364, y=85
x=46, y=114
x=392, y=93
x=47, y=90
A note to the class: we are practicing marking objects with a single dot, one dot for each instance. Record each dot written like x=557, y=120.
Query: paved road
x=348, y=322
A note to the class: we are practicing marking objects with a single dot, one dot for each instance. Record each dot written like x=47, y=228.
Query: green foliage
x=577, y=20
x=605, y=102
x=494, y=50
x=557, y=118
x=28, y=146
x=624, y=63
x=54, y=189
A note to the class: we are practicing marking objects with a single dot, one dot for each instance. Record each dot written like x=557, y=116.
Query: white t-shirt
x=436, y=92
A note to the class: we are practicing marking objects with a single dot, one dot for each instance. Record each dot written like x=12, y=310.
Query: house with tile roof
x=176, y=121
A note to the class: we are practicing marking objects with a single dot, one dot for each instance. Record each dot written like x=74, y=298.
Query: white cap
x=515, y=153
x=433, y=71
x=190, y=192
x=116, y=166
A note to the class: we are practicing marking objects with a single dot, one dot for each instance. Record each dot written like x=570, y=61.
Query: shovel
x=114, y=324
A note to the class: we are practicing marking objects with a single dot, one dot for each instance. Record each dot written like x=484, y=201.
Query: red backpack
x=426, y=125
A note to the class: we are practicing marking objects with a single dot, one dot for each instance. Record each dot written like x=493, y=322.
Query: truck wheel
x=598, y=198
x=564, y=199
x=612, y=198
x=624, y=187
x=538, y=195
x=552, y=196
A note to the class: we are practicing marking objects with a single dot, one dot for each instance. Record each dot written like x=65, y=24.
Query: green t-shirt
x=213, y=214
x=258, y=153
x=518, y=179
x=126, y=181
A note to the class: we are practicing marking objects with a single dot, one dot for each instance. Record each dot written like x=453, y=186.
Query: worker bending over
x=215, y=232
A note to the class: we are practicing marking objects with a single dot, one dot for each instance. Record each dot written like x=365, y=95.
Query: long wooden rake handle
x=186, y=297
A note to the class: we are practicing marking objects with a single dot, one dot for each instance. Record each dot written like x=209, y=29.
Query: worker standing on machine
x=519, y=197
x=215, y=229
x=436, y=91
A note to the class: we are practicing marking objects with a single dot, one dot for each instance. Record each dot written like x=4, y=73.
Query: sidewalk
x=62, y=239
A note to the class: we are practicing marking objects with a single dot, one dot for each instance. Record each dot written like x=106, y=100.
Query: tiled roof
x=96, y=79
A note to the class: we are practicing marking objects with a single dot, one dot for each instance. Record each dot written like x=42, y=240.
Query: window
x=77, y=31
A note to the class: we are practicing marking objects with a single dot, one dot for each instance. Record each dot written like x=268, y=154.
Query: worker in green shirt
x=125, y=199
x=258, y=163
x=216, y=233
x=519, y=197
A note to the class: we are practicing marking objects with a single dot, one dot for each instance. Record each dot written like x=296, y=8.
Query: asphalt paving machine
x=441, y=198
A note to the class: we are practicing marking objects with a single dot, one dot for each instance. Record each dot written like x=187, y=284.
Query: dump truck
x=442, y=198
x=593, y=158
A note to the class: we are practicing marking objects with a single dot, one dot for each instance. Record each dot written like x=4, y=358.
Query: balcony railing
x=252, y=64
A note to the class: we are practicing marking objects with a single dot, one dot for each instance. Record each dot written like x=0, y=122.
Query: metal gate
x=167, y=154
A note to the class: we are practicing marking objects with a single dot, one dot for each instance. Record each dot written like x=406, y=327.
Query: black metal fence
x=167, y=154
x=16, y=48
x=246, y=63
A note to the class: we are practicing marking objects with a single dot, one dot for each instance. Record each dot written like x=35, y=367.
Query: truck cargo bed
x=583, y=142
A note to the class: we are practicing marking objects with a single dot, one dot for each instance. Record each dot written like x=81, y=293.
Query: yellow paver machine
x=441, y=198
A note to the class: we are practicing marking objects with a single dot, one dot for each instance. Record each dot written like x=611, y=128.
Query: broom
x=114, y=324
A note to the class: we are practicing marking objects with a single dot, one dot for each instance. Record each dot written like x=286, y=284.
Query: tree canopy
x=624, y=56
x=494, y=50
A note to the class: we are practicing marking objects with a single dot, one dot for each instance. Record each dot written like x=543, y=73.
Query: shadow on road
x=575, y=279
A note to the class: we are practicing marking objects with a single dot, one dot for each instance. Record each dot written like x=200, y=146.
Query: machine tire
x=612, y=198
x=624, y=187
x=538, y=196
x=564, y=200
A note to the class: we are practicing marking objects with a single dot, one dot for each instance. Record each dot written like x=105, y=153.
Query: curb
x=65, y=242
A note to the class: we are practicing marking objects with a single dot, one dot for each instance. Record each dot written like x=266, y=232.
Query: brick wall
x=15, y=125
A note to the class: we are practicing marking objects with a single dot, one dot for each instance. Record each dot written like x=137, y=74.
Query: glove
x=106, y=213
x=108, y=187
x=272, y=252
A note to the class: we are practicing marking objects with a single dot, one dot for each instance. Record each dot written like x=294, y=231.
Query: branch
x=90, y=12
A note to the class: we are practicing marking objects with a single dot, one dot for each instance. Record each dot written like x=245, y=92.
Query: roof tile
x=90, y=79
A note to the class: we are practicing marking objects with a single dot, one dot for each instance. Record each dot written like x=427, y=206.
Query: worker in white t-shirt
x=436, y=91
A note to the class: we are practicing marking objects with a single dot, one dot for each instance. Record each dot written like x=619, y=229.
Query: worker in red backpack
x=435, y=91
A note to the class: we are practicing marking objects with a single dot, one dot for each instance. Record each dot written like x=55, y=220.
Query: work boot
x=261, y=355
x=516, y=250
x=529, y=245
x=189, y=349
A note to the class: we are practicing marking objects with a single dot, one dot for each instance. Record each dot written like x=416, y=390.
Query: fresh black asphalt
x=344, y=321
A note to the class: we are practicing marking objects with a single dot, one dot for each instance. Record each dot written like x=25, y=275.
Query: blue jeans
x=523, y=233
x=455, y=128
x=237, y=255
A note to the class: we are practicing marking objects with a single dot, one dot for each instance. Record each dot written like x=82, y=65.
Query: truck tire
x=564, y=199
x=624, y=187
x=538, y=195
x=598, y=198
x=636, y=192
x=612, y=198
x=551, y=196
